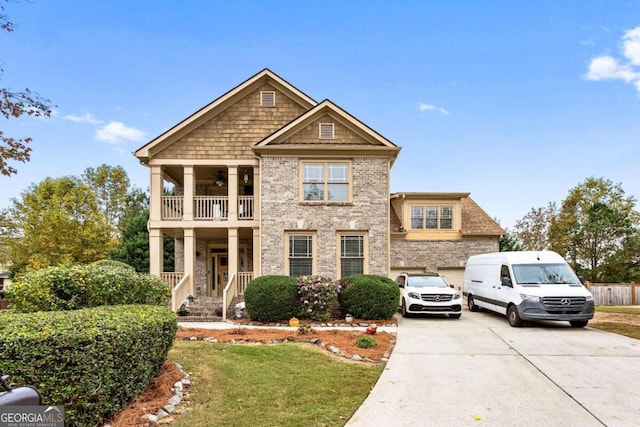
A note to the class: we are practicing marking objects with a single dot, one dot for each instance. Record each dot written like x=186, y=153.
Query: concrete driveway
x=479, y=371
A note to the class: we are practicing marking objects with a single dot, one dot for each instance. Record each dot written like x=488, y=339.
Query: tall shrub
x=369, y=296
x=272, y=298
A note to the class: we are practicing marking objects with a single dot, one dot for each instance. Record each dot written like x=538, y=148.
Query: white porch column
x=188, y=193
x=257, y=253
x=232, y=173
x=155, y=198
x=190, y=257
x=155, y=252
x=233, y=251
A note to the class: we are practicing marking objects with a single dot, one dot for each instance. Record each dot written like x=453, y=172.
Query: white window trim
x=438, y=207
x=314, y=251
x=365, y=250
x=262, y=98
x=324, y=184
x=323, y=129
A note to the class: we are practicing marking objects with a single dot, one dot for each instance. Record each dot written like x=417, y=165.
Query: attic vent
x=268, y=98
x=326, y=130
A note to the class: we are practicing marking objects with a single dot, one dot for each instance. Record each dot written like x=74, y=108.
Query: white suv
x=428, y=293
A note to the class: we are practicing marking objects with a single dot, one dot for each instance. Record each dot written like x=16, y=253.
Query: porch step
x=199, y=319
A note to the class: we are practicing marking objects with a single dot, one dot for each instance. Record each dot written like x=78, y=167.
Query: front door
x=223, y=273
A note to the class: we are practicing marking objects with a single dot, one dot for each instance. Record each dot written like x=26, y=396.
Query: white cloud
x=116, y=132
x=631, y=45
x=428, y=107
x=606, y=67
x=86, y=118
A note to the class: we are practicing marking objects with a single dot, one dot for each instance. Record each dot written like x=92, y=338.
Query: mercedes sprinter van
x=527, y=285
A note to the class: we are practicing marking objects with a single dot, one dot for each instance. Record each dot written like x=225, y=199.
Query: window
x=352, y=254
x=432, y=217
x=326, y=131
x=325, y=181
x=267, y=98
x=300, y=254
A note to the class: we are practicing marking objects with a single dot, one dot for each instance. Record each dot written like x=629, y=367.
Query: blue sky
x=515, y=102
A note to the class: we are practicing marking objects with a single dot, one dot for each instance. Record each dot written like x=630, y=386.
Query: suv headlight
x=456, y=296
x=589, y=297
x=527, y=297
x=414, y=295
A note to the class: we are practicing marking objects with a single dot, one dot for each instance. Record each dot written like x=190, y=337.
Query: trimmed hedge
x=369, y=296
x=272, y=298
x=81, y=286
x=92, y=361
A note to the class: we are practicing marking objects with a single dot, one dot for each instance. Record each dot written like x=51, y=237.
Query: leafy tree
x=532, y=231
x=135, y=202
x=14, y=104
x=55, y=222
x=593, y=226
x=134, y=245
x=110, y=185
x=509, y=242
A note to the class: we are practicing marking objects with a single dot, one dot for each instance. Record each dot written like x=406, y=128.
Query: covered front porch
x=213, y=266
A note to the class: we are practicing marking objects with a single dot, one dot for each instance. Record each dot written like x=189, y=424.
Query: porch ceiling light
x=219, y=180
x=246, y=176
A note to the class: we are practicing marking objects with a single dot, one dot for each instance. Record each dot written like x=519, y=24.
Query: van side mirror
x=451, y=286
x=506, y=281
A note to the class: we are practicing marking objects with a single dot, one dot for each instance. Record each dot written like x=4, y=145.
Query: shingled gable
x=351, y=135
x=206, y=113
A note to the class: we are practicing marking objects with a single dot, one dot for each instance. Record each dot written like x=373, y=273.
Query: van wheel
x=403, y=309
x=471, y=304
x=578, y=323
x=513, y=317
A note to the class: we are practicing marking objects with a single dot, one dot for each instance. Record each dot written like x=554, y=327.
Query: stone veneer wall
x=281, y=209
x=432, y=254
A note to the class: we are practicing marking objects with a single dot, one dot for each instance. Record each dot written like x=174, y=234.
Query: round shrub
x=272, y=298
x=366, y=342
x=369, y=296
x=80, y=286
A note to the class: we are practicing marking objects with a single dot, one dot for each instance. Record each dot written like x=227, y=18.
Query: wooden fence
x=615, y=293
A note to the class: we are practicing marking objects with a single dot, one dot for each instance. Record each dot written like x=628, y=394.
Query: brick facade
x=282, y=210
x=434, y=254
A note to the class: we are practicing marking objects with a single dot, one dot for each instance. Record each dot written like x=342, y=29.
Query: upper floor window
x=326, y=181
x=300, y=254
x=432, y=217
x=268, y=98
x=326, y=131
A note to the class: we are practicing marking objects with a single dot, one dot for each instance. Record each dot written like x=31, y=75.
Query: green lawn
x=270, y=385
x=621, y=328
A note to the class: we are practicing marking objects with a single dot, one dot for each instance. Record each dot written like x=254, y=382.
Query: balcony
x=207, y=208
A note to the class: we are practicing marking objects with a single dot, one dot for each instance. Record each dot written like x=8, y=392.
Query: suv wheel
x=403, y=309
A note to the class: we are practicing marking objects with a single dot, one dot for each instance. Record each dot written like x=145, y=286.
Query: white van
x=527, y=285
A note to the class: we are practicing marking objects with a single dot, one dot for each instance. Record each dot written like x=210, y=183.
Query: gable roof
x=284, y=138
x=145, y=152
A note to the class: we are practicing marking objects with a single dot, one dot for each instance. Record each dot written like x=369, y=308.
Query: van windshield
x=427, y=281
x=544, y=274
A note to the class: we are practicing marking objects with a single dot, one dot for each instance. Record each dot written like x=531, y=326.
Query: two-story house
x=266, y=180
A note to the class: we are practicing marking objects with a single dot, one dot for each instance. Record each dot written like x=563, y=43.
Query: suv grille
x=436, y=297
x=564, y=304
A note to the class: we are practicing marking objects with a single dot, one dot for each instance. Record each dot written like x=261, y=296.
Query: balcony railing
x=245, y=207
x=207, y=208
x=210, y=207
x=172, y=207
